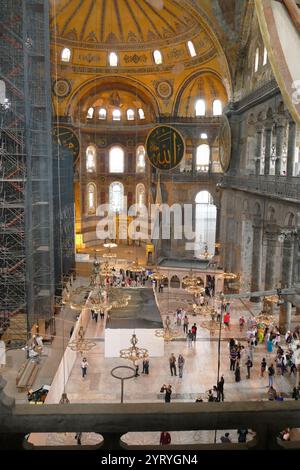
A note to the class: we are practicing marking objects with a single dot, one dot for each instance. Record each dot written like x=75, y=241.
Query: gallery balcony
x=279, y=187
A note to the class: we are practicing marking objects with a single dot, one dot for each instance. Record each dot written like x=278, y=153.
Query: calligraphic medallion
x=165, y=147
x=225, y=144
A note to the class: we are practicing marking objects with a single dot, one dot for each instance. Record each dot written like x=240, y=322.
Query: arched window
x=157, y=57
x=130, y=115
x=265, y=58
x=2, y=92
x=116, y=160
x=66, y=54
x=102, y=113
x=140, y=159
x=191, y=48
x=116, y=196
x=205, y=227
x=217, y=108
x=91, y=198
x=91, y=154
x=140, y=195
x=202, y=158
x=90, y=113
x=200, y=107
x=256, y=61
x=203, y=136
x=113, y=59
x=116, y=115
x=141, y=113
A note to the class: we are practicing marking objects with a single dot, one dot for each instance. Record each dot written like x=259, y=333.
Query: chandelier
x=81, y=345
x=167, y=334
x=229, y=276
x=203, y=309
x=195, y=290
x=109, y=244
x=157, y=275
x=191, y=279
x=108, y=254
x=264, y=318
x=206, y=253
x=134, y=353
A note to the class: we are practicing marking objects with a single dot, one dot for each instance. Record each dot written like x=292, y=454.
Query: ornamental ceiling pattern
x=121, y=22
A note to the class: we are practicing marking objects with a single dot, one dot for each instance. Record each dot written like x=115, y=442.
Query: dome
x=133, y=29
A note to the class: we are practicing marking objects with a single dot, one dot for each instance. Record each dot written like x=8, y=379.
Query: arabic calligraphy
x=165, y=147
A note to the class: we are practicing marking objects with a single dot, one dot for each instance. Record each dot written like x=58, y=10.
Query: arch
x=290, y=220
x=90, y=89
x=191, y=49
x=116, y=196
x=271, y=214
x=116, y=114
x=116, y=159
x=188, y=91
x=91, y=155
x=91, y=198
x=157, y=56
x=130, y=114
x=203, y=158
x=90, y=113
x=102, y=113
x=175, y=282
x=205, y=224
x=200, y=107
x=140, y=195
x=257, y=210
x=140, y=159
x=113, y=59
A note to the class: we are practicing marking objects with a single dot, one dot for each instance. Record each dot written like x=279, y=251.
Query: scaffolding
x=26, y=182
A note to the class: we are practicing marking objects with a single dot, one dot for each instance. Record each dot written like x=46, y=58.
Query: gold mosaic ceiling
x=122, y=22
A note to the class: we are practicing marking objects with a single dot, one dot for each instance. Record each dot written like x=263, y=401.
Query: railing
x=112, y=421
x=192, y=176
x=282, y=187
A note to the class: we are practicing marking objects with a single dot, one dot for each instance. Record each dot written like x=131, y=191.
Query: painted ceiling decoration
x=121, y=22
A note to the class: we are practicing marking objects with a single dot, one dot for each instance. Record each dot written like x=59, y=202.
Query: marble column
x=256, y=261
x=280, y=128
x=286, y=281
x=270, y=261
x=194, y=154
x=291, y=148
x=218, y=229
x=258, y=150
x=268, y=148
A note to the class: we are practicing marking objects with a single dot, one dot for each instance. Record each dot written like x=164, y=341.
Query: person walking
x=96, y=317
x=181, y=362
x=84, y=366
x=185, y=324
x=189, y=337
x=237, y=372
x=172, y=362
x=263, y=367
x=137, y=370
x=168, y=392
x=249, y=364
x=165, y=438
x=220, y=388
x=271, y=372
x=78, y=438
x=194, y=332
x=145, y=367
x=233, y=357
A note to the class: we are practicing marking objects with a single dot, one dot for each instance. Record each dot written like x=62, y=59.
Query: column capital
x=280, y=120
x=268, y=125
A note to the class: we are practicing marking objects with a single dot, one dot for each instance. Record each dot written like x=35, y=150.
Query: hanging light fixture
x=81, y=345
x=135, y=267
x=109, y=244
x=229, y=276
x=157, y=275
x=168, y=334
x=206, y=253
x=195, y=290
x=191, y=279
x=134, y=353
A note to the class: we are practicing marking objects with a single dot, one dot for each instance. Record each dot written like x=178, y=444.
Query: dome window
x=116, y=160
x=217, y=108
x=191, y=48
x=66, y=54
x=265, y=58
x=200, y=107
x=116, y=115
x=203, y=136
x=102, y=113
x=90, y=113
x=113, y=59
x=141, y=113
x=157, y=57
x=130, y=115
x=256, y=61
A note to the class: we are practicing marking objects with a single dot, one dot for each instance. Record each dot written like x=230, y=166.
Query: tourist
x=185, y=324
x=227, y=320
x=168, y=392
x=242, y=433
x=78, y=437
x=249, y=364
x=181, y=362
x=272, y=394
x=172, y=362
x=237, y=372
x=102, y=314
x=137, y=370
x=295, y=393
x=194, y=332
x=233, y=358
x=241, y=323
x=271, y=372
x=145, y=367
x=225, y=439
x=189, y=338
x=263, y=367
x=220, y=387
x=84, y=366
x=96, y=317
x=165, y=438
x=210, y=395
x=215, y=393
